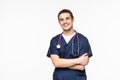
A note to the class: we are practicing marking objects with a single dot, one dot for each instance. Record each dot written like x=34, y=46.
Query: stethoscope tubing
x=75, y=36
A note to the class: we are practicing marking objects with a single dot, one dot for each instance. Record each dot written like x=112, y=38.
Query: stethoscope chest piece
x=58, y=46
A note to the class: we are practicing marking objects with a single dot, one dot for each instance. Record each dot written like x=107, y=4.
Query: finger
x=86, y=54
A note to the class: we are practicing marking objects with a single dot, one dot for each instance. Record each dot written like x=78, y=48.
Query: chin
x=67, y=29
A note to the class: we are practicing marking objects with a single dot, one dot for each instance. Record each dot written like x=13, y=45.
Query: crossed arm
x=76, y=63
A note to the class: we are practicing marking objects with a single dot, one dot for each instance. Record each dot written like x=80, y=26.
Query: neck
x=69, y=32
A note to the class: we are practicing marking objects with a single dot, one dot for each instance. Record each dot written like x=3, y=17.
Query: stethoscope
x=73, y=39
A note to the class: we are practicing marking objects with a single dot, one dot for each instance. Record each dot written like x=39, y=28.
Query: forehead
x=64, y=15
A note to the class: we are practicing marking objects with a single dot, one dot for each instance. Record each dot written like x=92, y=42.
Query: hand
x=84, y=59
x=77, y=67
x=82, y=67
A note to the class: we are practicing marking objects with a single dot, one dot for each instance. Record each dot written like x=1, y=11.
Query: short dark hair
x=65, y=11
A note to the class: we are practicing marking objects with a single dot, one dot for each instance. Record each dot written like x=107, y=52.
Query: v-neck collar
x=68, y=38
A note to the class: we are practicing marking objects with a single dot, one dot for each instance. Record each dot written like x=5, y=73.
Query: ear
x=73, y=19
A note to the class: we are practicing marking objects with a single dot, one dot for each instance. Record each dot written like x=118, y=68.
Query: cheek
x=61, y=23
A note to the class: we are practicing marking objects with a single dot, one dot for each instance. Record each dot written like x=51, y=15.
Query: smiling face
x=66, y=21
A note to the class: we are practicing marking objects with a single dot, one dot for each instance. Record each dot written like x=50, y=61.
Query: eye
x=61, y=19
x=67, y=18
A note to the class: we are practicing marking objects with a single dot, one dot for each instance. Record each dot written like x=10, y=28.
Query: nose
x=65, y=21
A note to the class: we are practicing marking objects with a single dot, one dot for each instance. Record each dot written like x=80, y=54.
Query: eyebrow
x=65, y=18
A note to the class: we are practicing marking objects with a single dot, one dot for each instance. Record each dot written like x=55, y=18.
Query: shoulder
x=55, y=38
x=83, y=39
x=81, y=36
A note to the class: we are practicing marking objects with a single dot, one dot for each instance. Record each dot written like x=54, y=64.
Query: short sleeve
x=52, y=48
x=85, y=47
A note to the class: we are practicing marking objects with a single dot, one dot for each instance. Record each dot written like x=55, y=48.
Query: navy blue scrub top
x=65, y=51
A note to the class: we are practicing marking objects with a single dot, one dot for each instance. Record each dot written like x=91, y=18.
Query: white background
x=26, y=27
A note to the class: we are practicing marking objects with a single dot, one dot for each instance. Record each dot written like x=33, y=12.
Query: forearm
x=64, y=63
x=77, y=67
x=67, y=62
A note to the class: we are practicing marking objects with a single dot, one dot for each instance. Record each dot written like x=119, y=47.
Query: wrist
x=78, y=61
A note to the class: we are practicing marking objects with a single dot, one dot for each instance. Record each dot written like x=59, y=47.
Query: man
x=69, y=51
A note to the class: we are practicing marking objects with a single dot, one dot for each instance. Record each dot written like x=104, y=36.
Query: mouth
x=65, y=25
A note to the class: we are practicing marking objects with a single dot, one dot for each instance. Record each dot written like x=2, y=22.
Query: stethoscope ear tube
x=78, y=48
